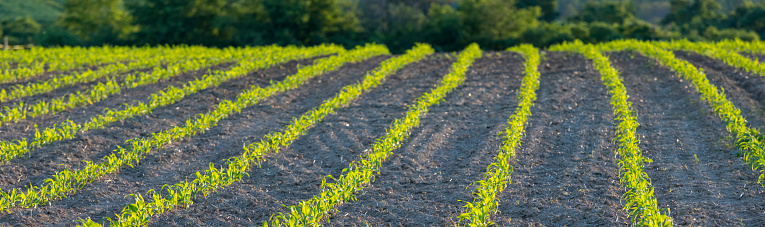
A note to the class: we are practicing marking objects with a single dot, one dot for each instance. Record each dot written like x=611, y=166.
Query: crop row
x=33, y=62
x=145, y=59
x=640, y=200
x=260, y=58
x=498, y=173
x=714, y=51
x=205, y=58
x=753, y=47
x=183, y=193
x=749, y=141
x=67, y=181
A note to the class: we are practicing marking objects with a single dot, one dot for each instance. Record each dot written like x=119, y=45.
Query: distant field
x=43, y=11
x=615, y=134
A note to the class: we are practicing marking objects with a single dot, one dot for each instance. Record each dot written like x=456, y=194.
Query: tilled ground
x=565, y=173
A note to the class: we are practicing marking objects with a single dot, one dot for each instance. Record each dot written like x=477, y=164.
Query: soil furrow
x=695, y=172
x=565, y=173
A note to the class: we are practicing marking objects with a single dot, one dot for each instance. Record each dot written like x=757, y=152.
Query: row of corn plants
x=639, y=199
x=749, y=141
x=101, y=91
x=144, y=60
x=263, y=58
x=33, y=62
x=65, y=182
x=712, y=50
x=63, y=58
x=752, y=47
x=360, y=173
x=183, y=194
x=498, y=173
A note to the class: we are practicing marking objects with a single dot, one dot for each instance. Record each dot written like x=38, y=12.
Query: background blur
x=446, y=24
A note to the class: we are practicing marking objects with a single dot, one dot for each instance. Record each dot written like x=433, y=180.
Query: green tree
x=20, y=30
x=607, y=11
x=443, y=29
x=693, y=15
x=97, y=19
x=180, y=21
x=492, y=23
x=304, y=22
x=549, y=8
x=750, y=17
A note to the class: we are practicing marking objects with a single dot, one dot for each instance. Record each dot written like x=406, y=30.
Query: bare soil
x=565, y=172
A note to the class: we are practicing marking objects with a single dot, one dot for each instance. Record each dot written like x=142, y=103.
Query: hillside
x=43, y=11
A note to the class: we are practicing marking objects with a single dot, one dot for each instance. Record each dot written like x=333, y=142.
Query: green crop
x=753, y=47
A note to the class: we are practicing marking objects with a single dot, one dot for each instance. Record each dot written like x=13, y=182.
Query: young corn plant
x=183, y=194
x=360, y=173
x=498, y=173
x=749, y=141
x=713, y=51
x=65, y=182
x=260, y=58
x=640, y=201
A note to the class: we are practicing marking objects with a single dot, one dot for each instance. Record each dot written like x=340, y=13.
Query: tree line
x=448, y=25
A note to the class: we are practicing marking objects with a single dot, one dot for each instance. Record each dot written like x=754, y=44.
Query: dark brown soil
x=695, y=172
x=565, y=173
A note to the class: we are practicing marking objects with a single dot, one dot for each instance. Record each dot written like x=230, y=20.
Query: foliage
x=168, y=21
x=97, y=20
x=549, y=8
x=20, y=30
x=750, y=17
x=606, y=11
